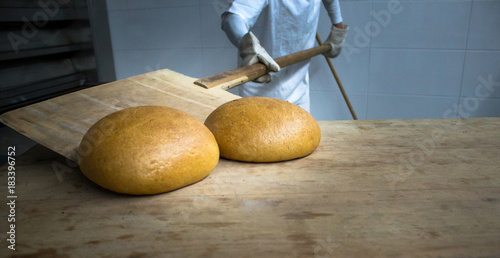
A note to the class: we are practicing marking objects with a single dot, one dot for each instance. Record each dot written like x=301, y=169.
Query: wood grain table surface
x=372, y=189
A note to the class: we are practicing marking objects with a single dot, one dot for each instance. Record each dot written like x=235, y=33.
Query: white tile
x=134, y=62
x=484, y=32
x=352, y=63
x=211, y=32
x=124, y=65
x=426, y=72
x=353, y=72
x=354, y=14
x=419, y=25
x=481, y=74
x=216, y=7
x=331, y=105
x=409, y=106
x=147, y=4
x=478, y=107
x=115, y=5
x=118, y=21
x=218, y=60
x=165, y=28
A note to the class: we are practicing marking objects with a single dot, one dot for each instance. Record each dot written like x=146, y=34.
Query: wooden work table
x=372, y=188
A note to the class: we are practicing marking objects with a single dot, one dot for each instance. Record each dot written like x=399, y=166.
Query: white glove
x=336, y=40
x=252, y=52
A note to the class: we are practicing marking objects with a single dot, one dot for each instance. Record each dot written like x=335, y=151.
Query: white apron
x=283, y=27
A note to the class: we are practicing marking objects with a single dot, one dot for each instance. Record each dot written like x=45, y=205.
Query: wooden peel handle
x=238, y=76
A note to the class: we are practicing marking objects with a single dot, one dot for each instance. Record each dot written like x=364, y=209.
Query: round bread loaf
x=261, y=129
x=147, y=150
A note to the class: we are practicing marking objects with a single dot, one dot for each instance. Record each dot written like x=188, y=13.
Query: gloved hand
x=252, y=52
x=336, y=40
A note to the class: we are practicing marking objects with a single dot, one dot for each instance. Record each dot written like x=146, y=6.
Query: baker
x=284, y=27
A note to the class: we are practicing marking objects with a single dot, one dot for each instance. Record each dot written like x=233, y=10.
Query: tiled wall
x=403, y=59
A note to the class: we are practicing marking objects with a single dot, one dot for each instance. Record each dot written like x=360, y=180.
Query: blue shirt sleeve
x=333, y=9
x=239, y=19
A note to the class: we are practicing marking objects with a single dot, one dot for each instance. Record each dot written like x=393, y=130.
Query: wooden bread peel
x=60, y=123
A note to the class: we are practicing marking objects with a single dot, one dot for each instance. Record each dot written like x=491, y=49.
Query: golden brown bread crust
x=261, y=129
x=147, y=150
